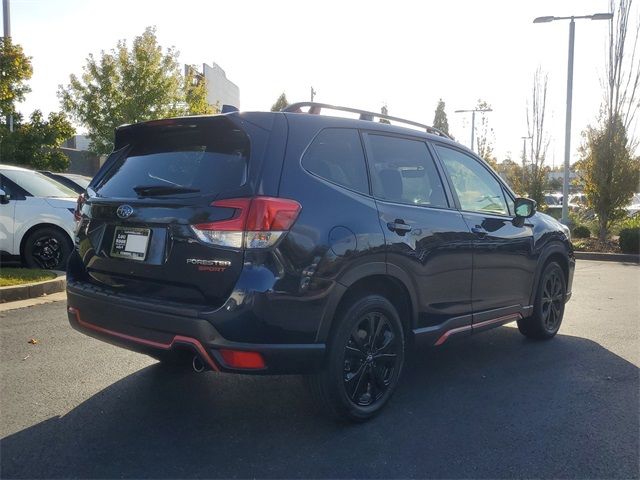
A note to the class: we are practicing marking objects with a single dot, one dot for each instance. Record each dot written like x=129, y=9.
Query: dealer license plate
x=130, y=242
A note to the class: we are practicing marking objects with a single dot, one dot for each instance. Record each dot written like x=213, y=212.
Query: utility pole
x=473, y=121
x=313, y=93
x=567, y=128
x=6, y=16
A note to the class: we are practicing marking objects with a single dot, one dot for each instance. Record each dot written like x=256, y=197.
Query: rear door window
x=200, y=158
x=403, y=171
x=336, y=155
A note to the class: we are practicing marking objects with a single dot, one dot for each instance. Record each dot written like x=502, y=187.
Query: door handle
x=478, y=230
x=399, y=226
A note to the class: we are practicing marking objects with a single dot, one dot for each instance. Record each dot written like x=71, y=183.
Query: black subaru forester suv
x=294, y=242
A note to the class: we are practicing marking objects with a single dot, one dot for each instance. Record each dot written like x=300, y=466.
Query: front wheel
x=365, y=358
x=548, y=309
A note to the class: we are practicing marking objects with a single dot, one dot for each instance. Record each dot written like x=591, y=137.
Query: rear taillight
x=77, y=215
x=256, y=223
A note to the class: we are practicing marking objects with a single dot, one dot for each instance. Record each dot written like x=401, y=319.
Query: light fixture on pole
x=473, y=120
x=567, y=133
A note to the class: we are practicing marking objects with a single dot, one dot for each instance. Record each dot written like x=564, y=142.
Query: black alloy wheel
x=548, y=309
x=47, y=248
x=364, y=360
x=370, y=357
x=552, y=301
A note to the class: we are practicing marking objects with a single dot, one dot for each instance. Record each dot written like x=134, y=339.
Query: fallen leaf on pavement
x=32, y=341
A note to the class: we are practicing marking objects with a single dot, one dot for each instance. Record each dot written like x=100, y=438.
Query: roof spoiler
x=228, y=109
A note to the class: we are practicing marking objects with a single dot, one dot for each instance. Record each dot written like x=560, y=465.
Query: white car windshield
x=38, y=185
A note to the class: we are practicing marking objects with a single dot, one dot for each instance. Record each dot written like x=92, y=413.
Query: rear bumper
x=136, y=325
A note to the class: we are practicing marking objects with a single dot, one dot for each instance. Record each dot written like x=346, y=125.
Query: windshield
x=179, y=159
x=38, y=185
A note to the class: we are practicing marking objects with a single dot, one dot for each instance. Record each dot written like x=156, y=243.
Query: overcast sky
x=355, y=53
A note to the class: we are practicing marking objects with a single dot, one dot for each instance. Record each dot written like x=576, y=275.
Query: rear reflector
x=240, y=359
x=256, y=222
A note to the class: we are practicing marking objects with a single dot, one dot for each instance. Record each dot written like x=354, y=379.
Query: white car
x=36, y=218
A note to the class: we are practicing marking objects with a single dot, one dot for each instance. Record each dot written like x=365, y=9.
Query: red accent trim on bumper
x=163, y=346
x=504, y=319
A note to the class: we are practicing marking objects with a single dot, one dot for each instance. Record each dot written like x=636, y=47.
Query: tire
x=548, y=309
x=47, y=248
x=362, y=370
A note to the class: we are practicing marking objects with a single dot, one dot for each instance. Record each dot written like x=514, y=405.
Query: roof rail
x=315, y=108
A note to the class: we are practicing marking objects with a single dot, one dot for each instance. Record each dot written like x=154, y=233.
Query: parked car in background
x=553, y=205
x=36, y=218
x=634, y=206
x=291, y=242
x=77, y=183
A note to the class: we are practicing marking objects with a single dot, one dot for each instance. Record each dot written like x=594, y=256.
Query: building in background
x=81, y=160
x=220, y=90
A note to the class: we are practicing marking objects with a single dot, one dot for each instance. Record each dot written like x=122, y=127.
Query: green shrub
x=581, y=231
x=630, y=240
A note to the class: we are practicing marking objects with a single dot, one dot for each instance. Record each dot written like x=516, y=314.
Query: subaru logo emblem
x=124, y=211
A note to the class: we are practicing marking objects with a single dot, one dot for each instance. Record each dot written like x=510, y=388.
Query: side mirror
x=525, y=207
x=4, y=198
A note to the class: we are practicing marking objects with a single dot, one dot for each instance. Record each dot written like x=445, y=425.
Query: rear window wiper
x=153, y=190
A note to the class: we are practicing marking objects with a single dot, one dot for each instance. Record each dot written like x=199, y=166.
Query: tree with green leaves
x=609, y=172
x=15, y=72
x=440, y=118
x=36, y=143
x=129, y=85
x=281, y=103
x=195, y=91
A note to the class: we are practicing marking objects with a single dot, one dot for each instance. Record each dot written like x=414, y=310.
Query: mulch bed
x=593, y=245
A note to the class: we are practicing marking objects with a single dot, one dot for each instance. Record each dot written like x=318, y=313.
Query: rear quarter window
x=336, y=155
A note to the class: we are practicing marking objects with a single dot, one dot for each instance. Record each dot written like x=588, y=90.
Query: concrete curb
x=33, y=290
x=608, y=257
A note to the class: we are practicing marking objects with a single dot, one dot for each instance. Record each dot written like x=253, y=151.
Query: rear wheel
x=548, y=309
x=365, y=358
x=47, y=248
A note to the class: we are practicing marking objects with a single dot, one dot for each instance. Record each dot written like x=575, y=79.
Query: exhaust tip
x=197, y=364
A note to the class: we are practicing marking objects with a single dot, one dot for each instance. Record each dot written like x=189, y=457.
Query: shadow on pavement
x=494, y=405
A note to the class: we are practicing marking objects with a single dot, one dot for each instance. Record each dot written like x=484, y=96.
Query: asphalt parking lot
x=494, y=405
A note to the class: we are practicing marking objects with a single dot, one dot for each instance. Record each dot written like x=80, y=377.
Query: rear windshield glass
x=199, y=158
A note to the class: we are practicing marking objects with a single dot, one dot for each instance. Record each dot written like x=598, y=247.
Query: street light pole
x=473, y=121
x=567, y=133
x=567, y=130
